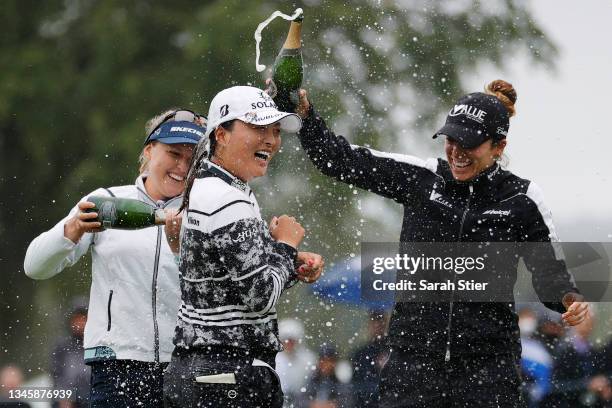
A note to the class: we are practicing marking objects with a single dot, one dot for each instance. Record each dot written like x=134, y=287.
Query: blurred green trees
x=79, y=78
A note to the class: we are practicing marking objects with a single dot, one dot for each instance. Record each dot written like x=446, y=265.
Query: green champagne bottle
x=125, y=213
x=288, y=70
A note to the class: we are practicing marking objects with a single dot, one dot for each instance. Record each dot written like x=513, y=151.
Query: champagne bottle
x=125, y=213
x=288, y=70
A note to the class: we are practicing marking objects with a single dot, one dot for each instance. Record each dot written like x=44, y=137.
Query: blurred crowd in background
x=561, y=367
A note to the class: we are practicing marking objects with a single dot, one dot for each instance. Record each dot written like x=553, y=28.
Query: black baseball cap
x=474, y=119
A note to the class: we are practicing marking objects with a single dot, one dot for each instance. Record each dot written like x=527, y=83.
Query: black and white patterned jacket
x=232, y=272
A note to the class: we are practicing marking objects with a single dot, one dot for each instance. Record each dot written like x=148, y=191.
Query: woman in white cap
x=135, y=289
x=233, y=266
x=454, y=354
x=296, y=364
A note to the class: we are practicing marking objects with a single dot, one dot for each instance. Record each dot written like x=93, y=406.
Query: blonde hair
x=505, y=92
x=151, y=124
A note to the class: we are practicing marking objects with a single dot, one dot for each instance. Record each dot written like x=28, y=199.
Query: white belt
x=230, y=378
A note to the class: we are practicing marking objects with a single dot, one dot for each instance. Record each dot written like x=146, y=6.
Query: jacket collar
x=488, y=176
x=144, y=196
x=485, y=181
x=211, y=169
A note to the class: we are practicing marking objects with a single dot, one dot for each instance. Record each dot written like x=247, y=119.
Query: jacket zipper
x=154, y=294
x=110, y=298
x=155, y=273
x=447, y=355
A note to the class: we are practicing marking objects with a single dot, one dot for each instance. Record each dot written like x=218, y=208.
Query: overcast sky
x=562, y=135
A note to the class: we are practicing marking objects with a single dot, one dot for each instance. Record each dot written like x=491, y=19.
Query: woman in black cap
x=447, y=354
x=134, y=295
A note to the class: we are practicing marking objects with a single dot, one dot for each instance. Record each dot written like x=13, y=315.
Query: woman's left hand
x=303, y=105
x=311, y=266
x=577, y=309
x=173, y=230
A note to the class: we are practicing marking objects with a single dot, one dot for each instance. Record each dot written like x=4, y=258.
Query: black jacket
x=496, y=206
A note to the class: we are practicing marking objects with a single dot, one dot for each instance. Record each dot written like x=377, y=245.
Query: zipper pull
x=447, y=356
x=471, y=187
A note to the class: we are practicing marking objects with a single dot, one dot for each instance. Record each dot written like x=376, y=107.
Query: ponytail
x=199, y=155
x=204, y=150
x=505, y=92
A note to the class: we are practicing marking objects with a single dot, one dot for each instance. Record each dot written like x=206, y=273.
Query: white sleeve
x=50, y=252
x=213, y=204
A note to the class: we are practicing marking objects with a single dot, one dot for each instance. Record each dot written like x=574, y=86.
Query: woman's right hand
x=286, y=229
x=82, y=222
x=172, y=228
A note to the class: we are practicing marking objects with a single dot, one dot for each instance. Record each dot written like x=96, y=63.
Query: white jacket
x=135, y=291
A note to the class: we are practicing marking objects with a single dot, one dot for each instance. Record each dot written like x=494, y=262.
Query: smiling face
x=246, y=150
x=466, y=164
x=166, y=169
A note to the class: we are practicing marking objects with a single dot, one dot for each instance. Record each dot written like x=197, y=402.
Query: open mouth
x=262, y=155
x=461, y=164
x=176, y=177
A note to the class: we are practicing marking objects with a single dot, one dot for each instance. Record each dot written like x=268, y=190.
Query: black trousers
x=126, y=384
x=255, y=386
x=412, y=381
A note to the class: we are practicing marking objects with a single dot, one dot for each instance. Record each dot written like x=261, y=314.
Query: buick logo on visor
x=224, y=110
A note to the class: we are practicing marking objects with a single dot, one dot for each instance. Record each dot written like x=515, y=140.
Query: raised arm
x=391, y=175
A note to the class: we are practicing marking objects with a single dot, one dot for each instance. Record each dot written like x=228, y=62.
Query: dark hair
x=205, y=149
x=229, y=125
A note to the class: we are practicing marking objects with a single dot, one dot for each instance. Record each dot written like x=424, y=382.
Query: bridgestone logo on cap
x=224, y=110
x=471, y=112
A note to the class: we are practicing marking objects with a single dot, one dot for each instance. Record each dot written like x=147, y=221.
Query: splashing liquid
x=297, y=13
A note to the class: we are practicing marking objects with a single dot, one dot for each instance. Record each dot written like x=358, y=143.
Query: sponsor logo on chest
x=497, y=212
x=438, y=198
x=246, y=234
x=239, y=184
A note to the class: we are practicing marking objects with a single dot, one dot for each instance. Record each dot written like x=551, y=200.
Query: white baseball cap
x=290, y=329
x=250, y=105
